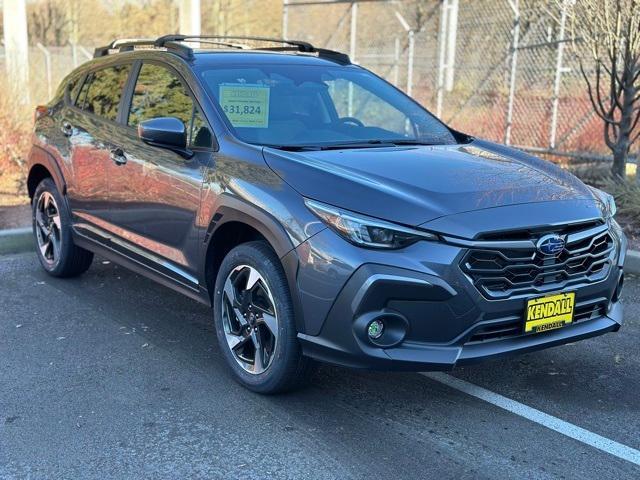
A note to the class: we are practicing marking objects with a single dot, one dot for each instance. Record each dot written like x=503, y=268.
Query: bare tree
x=242, y=17
x=48, y=23
x=420, y=13
x=610, y=31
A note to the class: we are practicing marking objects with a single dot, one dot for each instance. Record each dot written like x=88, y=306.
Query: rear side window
x=104, y=90
x=160, y=93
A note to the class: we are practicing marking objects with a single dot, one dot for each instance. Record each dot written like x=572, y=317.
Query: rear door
x=91, y=126
x=155, y=195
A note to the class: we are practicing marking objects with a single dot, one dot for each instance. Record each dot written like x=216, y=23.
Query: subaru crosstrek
x=322, y=213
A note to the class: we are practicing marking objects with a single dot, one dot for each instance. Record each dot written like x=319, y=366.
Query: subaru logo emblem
x=551, y=244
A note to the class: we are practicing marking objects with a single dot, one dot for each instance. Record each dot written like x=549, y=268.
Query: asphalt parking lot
x=113, y=376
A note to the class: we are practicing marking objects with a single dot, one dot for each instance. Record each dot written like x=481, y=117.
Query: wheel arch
x=237, y=222
x=43, y=165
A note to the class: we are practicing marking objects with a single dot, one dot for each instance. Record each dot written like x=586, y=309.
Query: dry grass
x=627, y=195
x=11, y=189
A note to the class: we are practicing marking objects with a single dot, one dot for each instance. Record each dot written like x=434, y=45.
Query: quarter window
x=105, y=90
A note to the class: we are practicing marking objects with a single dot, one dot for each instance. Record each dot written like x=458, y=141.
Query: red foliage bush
x=15, y=139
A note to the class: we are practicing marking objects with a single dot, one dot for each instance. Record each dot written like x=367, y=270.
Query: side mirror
x=165, y=132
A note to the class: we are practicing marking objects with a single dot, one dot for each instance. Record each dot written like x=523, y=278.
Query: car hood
x=413, y=185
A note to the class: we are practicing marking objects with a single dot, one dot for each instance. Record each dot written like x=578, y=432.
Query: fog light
x=375, y=329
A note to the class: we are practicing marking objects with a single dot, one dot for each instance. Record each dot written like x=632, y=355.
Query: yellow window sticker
x=245, y=105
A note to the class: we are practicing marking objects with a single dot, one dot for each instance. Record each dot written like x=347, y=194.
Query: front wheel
x=254, y=321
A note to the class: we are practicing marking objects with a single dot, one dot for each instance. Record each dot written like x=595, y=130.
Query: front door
x=154, y=192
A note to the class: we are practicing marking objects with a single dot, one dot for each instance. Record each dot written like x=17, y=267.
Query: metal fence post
x=452, y=33
x=412, y=42
x=47, y=66
x=410, y=52
x=285, y=18
x=396, y=59
x=514, y=4
x=16, y=49
x=74, y=54
x=558, y=76
x=442, y=49
x=352, y=48
x=189, y=17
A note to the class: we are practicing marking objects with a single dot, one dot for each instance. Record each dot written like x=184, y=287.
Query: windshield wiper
x=407, y=141
x=356, y=144
x=333, y=146
x=293, y=148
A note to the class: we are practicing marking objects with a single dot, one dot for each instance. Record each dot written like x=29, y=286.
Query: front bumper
x=421, y=357
x=447, y=322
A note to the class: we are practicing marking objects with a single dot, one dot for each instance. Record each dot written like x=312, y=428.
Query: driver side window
x=351, y=100
x=160, y=93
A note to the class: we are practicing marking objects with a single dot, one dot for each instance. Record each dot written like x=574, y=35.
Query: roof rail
x=127, y=45
x=174, y=44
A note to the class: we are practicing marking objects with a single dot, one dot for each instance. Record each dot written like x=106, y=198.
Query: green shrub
x=627, y=195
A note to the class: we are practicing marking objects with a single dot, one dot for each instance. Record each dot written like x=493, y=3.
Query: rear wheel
x=57, y=253
x=254, y=321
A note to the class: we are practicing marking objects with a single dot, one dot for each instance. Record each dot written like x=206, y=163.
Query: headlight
x=366, y=231
x=608, y=202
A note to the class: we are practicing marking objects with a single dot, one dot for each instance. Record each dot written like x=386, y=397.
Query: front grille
x=503, y=273
x=497, y=331
x=513, y=327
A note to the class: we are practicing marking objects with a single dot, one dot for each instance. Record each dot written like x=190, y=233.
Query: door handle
x=118, y=156
x=67, y=129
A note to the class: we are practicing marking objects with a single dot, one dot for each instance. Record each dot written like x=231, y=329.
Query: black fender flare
x=40, y=157
x=233, y=209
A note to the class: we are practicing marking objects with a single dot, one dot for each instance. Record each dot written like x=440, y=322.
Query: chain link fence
x=47, y=67
x=505, y=70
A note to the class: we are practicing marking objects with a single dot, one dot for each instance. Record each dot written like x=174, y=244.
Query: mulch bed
x=632, y=230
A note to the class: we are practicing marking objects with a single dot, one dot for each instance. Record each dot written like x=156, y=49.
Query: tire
x=281, y=367
x=57, y=253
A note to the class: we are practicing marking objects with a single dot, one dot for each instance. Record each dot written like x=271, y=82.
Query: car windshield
x=308, y=106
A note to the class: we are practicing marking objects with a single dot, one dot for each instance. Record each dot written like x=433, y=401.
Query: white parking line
x=570, y=430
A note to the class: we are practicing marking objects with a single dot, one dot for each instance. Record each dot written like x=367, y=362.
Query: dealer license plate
x=550, y=312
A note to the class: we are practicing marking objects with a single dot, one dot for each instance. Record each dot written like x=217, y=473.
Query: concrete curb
x=16, y=240
x=19, y=240
x=632, y=262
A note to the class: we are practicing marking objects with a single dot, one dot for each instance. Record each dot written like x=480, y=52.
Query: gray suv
x=321, y=213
